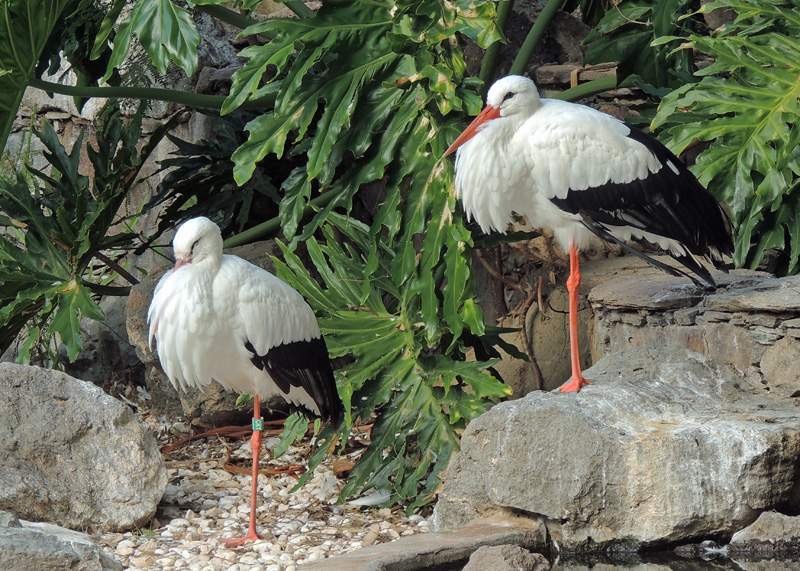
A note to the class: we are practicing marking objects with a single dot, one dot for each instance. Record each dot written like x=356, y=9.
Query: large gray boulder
x=666, y=446
x=27, y=546
x=73, y=455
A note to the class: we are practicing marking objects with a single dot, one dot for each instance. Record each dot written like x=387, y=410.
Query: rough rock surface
x=771, y=532
x=213, y=406
x=506, y=558
x=751, y=322
x=26, y=546
x=73, y=455
x=665, y=446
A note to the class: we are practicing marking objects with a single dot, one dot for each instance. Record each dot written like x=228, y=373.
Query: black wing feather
x=667, y=203
x=303, y=364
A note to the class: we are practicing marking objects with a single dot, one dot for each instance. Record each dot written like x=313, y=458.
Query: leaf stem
x=535, y=35
x=274, y=224
x=173, y=95
x=116, y=267
x=100, y=289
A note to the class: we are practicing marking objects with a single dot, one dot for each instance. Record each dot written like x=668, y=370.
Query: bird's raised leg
x=573, y=284
x=255, y=444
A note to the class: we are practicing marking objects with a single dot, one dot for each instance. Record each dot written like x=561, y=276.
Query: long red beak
x=181, y=262
x=487, y=114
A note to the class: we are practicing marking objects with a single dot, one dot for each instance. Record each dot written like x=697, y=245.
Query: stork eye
x=193, y=245
x=509, y=95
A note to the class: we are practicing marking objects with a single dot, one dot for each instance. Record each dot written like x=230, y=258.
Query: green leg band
x=258, y=424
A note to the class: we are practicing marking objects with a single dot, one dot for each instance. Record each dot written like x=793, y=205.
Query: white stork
x=219, y=318
x=576, y=171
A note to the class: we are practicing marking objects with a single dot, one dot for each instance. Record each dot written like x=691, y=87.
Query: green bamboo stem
x=535, y=35
x=489, y=63
x=299, y=8
x=593, y=87
x=226, y=15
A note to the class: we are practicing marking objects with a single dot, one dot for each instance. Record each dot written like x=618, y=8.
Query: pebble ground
x=205, y=503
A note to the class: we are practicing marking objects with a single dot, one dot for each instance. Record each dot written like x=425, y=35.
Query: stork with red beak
x=579, y=172
x=217, y=317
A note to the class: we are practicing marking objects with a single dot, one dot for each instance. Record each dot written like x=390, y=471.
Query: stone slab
x=428, y=550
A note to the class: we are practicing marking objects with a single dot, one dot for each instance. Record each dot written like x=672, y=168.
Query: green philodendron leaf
x=73, y=303
x=297, y=191
x=294, y=428
x=166, y=32
x=388, y=371
x=27, y=26
x=247, y=79
x=626, y=35
x=106, y=27
x=243, y=4
x=477, y=21
x=749, y=117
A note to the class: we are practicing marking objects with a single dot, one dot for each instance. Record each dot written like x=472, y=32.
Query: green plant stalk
x=592, y=87
x=299, y=8
x=489, y=63
x=272, y=225
x=535, y=35
x=226, y=15
x=173, y=95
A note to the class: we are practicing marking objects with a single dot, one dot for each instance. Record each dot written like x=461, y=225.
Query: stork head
x=513, y=96
x=197, y=239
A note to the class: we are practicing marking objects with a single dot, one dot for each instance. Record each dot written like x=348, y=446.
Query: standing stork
x=219, y=318
x=578, y=172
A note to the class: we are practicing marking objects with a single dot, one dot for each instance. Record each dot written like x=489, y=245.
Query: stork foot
x=237, y=541
x=575, y=384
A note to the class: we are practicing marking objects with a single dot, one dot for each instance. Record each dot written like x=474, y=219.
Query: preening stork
x=578, y=172
x=219, y=318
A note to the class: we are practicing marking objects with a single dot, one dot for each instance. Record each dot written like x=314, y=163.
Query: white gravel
x=204, y=503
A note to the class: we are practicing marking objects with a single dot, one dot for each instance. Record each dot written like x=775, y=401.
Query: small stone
x=764, y=335
x=716, y=316
x=685, y=316
x=614, y=316
x=633, y=319
x=762, y=319
x=506, y=558
x=141, y=560
x=371, y=537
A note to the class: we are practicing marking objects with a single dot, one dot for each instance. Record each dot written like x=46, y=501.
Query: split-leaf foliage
x=56, y=223
x=746, y=105
x=367, y=93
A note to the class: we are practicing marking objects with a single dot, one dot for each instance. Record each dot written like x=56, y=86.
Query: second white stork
x=579, y=172
x=217, y=317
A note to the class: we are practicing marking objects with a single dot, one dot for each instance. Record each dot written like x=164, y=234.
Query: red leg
x=573, y=284
x=255, y=443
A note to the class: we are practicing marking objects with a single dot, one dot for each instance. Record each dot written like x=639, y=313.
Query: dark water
x=670, y=561
x=662, y=561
